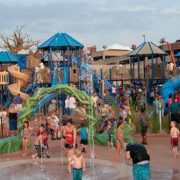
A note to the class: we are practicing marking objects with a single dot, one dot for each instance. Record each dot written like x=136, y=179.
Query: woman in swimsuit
x=26, y=133
x=69, y=132
x=120, y=140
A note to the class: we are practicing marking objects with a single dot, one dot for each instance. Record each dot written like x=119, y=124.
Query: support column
x=164, y=67
x=68, y=66
x=50, y=60
x=110, y=73
x=133, y=68
x=152, y=65
x=138, y=68
x=178, y=62
x=144, y=67
x=102, y=89
x=80, y=61
x=101, y=72
x=130, y=63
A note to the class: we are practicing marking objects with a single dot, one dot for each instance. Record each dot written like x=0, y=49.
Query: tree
x=17, y=41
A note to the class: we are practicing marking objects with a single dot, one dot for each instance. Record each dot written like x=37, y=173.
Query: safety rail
x=4, y=78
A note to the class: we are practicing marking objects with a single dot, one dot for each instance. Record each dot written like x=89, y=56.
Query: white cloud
x=93, y=21
x=28, y=3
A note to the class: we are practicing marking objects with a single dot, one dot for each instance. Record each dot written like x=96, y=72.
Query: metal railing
x=4, y=78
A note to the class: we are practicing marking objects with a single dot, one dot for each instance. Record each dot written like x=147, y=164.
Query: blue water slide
x=46, y=99
x=54, y=79
x=170, y=87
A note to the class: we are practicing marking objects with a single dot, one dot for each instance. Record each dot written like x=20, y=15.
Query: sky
x=94, y=22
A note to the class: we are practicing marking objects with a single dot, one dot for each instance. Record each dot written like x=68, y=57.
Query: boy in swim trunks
x=78, y=165
x=39, y=148
x=174, y=138
x=70, y=154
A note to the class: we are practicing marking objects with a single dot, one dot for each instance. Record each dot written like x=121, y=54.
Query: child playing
x=45, y=138
x=70, y=153
x=26, y=133
x=110, y=133
x=174, y=138
x=39, y=148
x=84, y=137
x=78, y=165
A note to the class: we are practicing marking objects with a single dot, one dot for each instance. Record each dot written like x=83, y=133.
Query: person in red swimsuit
x=69, y=132
x=178, y=97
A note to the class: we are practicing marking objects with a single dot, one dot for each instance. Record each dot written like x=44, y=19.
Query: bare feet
x=36, y=163
x=24, y=154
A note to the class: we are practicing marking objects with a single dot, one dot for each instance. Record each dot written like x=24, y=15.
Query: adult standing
x=12, y=112
x=174, y=110
x=177, y=96
x=95, y=99
x=170, y=68
x=72, y=105
x=120, y=140
x=121, y=91
x=52, y=122
x=3, y=122
x=161, y=105
x=70, y=134
x=144, y=125
x=103, y=115
x=113, y=91
x=140, y=158
x=18, y=101
x=67, y=105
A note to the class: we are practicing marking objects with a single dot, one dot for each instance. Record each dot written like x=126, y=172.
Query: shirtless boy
x=174, y=138
x=78, y=165
x=39, y=148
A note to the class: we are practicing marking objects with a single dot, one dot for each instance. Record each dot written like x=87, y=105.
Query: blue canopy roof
x=61, y=41
x=7, y=57
x=177, y=54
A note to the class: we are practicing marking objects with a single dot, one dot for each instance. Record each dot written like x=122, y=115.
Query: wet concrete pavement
x=164, y=166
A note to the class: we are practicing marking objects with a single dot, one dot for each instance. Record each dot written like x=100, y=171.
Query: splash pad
x=56, y=169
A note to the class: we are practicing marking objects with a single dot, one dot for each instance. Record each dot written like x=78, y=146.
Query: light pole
x=144, y=36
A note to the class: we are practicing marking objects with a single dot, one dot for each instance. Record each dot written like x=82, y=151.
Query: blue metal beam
x=138, y=67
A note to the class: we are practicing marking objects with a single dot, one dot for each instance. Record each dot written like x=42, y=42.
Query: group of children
x=76, y=162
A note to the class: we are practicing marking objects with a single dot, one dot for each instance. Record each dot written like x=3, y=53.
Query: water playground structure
x=63, y=55
x=69, y=66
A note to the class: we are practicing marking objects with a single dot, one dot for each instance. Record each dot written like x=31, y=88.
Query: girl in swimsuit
x=26, y=133
x=120, y=140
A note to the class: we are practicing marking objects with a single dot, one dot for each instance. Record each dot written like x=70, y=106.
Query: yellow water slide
x=22, y=80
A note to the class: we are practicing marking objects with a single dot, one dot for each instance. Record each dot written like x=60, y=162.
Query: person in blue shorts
x=141, y=161
x=84, y=137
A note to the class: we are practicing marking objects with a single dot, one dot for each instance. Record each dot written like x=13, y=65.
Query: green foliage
x=154, y=125
x=166, y=124
x=134, y=118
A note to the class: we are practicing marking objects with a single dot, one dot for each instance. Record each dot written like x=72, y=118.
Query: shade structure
x=61, y=41
x=177, y=54
x=7, y=57
x=147, y=48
